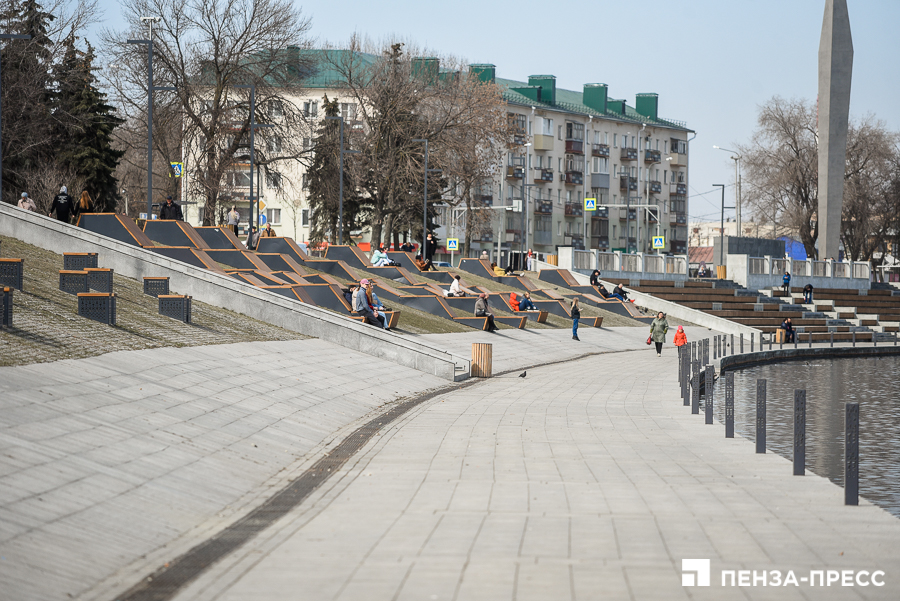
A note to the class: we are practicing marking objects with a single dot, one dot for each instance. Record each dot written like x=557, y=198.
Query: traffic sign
x=177, y=168
x=143, y=216
x=590, y=204
x=262, y=218
x=453, y=244
x=262, y=205
x=659, y=241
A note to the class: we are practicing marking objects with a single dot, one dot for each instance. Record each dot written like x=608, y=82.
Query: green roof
x=569, y=101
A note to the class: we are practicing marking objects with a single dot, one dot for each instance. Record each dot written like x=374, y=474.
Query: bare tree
x=206, y=49
x=401, y=99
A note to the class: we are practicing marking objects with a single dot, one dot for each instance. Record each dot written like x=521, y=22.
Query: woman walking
x=576, y=315
x=658, y=330
x=84, y=204
x=234, y=220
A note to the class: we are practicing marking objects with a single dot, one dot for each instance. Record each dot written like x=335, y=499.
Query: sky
x=712, y=62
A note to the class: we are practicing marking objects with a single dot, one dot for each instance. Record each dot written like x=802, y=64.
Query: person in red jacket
x=680, y=337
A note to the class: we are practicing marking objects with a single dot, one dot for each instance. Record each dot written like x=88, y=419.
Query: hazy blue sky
x=713, y=62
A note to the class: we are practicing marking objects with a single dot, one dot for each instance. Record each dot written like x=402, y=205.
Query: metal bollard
x=810, y=340
x=760, y=416
x=799, y=432
x=729, y=404
x=796, y=336
x=705, y=358
x=686, y=383
x=710, y=393
x=695, y=389
x=715, y=347
x=851, y=453
x=742, y=344
x=732, y=344
x=854, y=338
x=874, y=340
x=771, y=336
x=832, y=339
x=752, y=337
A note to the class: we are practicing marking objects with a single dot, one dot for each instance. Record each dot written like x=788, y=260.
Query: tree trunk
x=376, y=224
x=388, y=229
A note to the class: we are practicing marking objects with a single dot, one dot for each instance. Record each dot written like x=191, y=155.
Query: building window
x=273, y=144
x=574, y=131
x=304, y=182
x=273, y=180
x=614, y=232
x=348, y=111
x=307, y=143
x=615, y=140
x=276, y=110
x=273, y=216
x=304, y=217
x=311, y=108
x=558, y=228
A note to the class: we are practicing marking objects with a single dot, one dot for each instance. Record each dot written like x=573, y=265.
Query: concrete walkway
x=584, y=480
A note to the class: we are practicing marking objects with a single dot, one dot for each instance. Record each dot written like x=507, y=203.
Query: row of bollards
x=693, y=365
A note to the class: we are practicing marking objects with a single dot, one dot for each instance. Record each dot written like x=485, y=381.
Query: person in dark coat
x=788, y=328
x=483, y=309
x=595, y=278
x=430, y=248
x=603, y=291
x=170, y=210
x=576, y=315
x=808, y=294
x=84, y=204
x=63, y=205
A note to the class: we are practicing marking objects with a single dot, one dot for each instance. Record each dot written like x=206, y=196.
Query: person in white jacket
x=456, y=287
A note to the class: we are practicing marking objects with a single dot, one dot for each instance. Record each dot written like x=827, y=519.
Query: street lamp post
x=425, y=199
x=7, y=36
x=737, y=187
x=722, y=226
x=253, y=126
x=150, y=89
x=341, y=183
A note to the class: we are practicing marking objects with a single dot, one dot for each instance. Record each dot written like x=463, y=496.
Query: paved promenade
x=584, y=480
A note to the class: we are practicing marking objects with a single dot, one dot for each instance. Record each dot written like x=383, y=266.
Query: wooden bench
x=12, y=272
x=156, y=286
x=176, y=306
x=72, y=281
x=79, y=261
x=98, y=306
x=6, y=310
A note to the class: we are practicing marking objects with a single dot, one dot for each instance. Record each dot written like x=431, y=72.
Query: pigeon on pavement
x=522, y=375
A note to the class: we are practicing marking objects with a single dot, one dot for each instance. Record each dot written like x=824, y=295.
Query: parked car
x=441, y=264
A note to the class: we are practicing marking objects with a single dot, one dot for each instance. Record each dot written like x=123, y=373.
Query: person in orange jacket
x=680, y=337
x=513, y=301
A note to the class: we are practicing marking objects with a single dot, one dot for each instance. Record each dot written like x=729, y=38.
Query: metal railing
x=861, y=270
x=818, y=268
x=778, y=266
x=840, y=270
x=606, y=261
x=582, y=259
x=676, y=265
x=631, y=263
x=801, y=268
x=654, y=264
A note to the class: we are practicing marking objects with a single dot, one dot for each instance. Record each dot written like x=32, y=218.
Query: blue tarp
x=794, y=249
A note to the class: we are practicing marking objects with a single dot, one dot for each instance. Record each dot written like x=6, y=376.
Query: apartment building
x=568, y=146
x=583, y=144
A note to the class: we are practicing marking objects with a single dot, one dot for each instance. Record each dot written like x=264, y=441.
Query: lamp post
x=341, y=183
x=737, y=189
x=253, y=126
x=425, y=198
x=7, y=36
x=722, y=226
x=150, y=89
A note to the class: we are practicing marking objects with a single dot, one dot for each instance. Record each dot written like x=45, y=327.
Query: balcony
x=677, y=219
x=678, y=189
x=600, y=213
x=652, y=156
x=484, y=237
x=543, y=175
x=629, y=154
x=600, y=180
x=542, y=142
x=628, y=183
x=574, y=209
x=677, y=159
x=543, y=207
x=575, y=146
x=543, y=237
x=655, y=187
x=574, y=240
x=679, y=247
x=574, y=178
x=486, y=199
x=515, y=172
x=600, y=150
x=651, y=217
x=600, y=242
x=514, y=236
x=518, y=139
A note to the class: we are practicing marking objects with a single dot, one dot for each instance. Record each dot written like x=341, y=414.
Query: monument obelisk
x=835, y=72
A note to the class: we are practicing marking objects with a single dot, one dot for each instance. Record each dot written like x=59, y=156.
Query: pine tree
x=323, y=183
x=85, y=126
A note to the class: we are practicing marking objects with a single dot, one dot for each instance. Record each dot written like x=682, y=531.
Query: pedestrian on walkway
x=170, y=210
x=234, y=219
x=483, y=309
x=252, y=239
x=62, y=205
x=808, y=294
x=430, y=248
x=680, y=337
x=786, y=283
x=26, y=203
x=658, y=330
x=576, y=315
x=530, y=260
x=84, y=204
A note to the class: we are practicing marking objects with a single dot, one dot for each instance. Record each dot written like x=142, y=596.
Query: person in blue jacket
x=786, y=283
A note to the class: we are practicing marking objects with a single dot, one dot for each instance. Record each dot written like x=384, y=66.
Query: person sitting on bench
x=525, y=304
x=595, y=278
x=483, y=309
x=788, y=328
x=498, y=271
x=619, y=293
x=604, y=293
x=361, y=306
x=456, y=287
x=513, y=301
x=380, y=258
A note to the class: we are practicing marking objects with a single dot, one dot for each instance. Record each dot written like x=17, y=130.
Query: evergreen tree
x=324, y=189
x=85, y=126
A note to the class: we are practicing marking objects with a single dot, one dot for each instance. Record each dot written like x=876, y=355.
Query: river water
x=829, y=383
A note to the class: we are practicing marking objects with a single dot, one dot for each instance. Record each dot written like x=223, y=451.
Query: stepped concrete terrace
x=874, y=309
x=764, y=311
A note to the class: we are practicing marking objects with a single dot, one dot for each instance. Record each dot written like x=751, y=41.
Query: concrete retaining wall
x=733, y=362
x=223, y=291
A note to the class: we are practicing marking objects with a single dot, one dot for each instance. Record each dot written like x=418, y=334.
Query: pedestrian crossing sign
x=659, y=241
x=590, y=204
x=453, y=244
x=177, y=168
